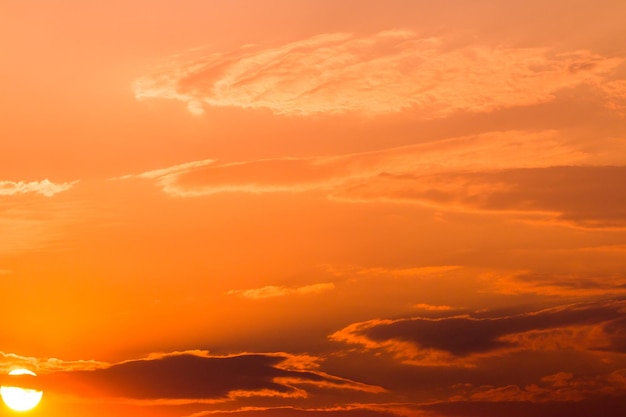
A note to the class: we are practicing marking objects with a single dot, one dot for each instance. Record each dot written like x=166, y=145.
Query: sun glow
x=20, y=399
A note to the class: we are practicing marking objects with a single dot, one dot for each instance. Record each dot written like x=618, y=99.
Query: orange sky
x=314, y=208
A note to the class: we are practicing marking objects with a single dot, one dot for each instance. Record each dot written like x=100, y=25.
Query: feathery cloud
x=381, y=73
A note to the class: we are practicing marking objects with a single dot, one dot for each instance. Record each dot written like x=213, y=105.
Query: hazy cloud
x=564, y=284
x=579, y=195
x=380, y=73
x=562, y=386
x=429, y=307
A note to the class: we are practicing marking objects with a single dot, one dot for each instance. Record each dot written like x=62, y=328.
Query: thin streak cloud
x=271, y=291
x=488, y=151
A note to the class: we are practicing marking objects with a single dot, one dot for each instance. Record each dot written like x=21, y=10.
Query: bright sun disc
x=20, y=399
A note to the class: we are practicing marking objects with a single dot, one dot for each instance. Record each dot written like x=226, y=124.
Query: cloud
x=429, y=307
x=381, y=73
x=351, y=411
x=44, y=187
x=562, y=386
x=584, y=196
x=578, y=284
x=615, y=93
x=419, y=271
x=279, y=291
x=9, y=361
x=196, y=376
x=602, y=406
x=461, y=340
x=488, y=151
x=536, y=176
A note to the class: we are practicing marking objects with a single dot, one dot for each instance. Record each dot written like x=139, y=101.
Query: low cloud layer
x=381, y=73
x=199, y=377
x=354, y=411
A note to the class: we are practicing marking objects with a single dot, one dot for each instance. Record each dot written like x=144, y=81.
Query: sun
x=20, y=399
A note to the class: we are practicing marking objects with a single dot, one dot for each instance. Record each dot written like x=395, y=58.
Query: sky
x=314, y=208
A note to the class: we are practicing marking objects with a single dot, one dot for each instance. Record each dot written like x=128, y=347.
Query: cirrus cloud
x=381, y=73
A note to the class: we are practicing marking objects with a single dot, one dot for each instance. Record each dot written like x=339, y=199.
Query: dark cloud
x=296, y=412
x=608, y=406
x=463, y=336
x=195, y=376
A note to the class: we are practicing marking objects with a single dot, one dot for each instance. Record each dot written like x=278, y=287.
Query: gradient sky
x=314, y=208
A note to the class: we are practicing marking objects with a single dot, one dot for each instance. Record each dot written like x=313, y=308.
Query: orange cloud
x=429, y=307
x=615, y=92
x=489, y=151
x=44, y=187
x=10, y=361
x=583, y=196
x=381, y=73
x=279, y=291
x=564, y=284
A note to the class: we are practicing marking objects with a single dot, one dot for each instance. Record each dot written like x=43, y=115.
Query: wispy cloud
x=488, y=151
x=429, y=307
x=10, y=361
x=347, y=411
x=381, y=73
x=579, y=284
x=584, y=196
x=418, y=271
x=280, y=291
x=44, y=187
x=533, y=173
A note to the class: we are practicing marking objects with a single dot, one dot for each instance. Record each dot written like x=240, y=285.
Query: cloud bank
x=196, y=376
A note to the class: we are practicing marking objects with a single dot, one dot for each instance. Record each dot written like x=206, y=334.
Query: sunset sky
x=314, y=208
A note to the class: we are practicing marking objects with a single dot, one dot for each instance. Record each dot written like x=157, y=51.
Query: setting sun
x=20, y=399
